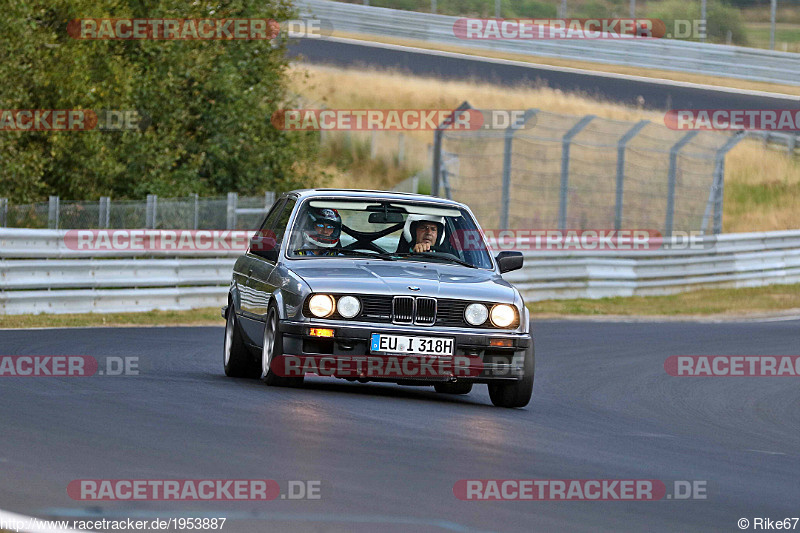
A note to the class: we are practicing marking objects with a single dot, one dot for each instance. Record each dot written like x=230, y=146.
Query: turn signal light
x=502, y=343
x=320, y=332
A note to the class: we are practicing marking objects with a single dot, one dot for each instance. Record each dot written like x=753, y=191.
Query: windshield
x=389, y=231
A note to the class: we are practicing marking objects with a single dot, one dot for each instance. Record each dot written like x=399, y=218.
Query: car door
x=252, y=263
x=261, y=279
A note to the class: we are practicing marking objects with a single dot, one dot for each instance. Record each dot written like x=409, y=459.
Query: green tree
x=209, y=103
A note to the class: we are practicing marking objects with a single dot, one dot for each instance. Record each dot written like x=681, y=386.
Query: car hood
x=394, y=278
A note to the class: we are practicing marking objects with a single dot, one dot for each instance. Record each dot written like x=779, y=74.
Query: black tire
x=516, y=393
x=459, y=387
x=236, y=358
x=273, y=336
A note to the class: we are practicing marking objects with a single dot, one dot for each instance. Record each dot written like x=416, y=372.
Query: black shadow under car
x=378, y=286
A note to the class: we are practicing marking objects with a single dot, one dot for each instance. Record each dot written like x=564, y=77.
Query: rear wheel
x=235, y=357
x=272, y=348
x=516, y=393
x=459, y=387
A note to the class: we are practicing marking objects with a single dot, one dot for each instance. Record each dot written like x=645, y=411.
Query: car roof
x=372, y=194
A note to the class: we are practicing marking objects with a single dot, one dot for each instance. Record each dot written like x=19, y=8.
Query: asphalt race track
x=389, y=456
x=658, y=95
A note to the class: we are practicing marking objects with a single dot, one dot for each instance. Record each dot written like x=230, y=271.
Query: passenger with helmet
x=323, y=227
x=424, y=233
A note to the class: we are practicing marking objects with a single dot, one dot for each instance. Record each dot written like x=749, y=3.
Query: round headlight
x=321, y=305
x=348, y=306
x=476, y=314
x=503, y=315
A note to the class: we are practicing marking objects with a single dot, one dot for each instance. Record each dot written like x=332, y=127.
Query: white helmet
x=409, y=230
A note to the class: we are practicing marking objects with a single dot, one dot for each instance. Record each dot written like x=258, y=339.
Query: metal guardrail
x=667, y=54
x=786, y=141
x=730, y=260
x=116, y=282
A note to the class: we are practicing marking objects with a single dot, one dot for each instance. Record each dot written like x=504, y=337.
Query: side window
x=272, y=216
x=264, y=238
x=283, y=221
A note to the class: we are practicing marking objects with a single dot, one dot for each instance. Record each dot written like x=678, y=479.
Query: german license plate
x=402, y=344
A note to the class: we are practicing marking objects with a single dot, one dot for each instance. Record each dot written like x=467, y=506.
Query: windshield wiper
x=359, y=253
x=439, y=255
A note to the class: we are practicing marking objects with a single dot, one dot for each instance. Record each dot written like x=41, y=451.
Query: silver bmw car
x=378, y=286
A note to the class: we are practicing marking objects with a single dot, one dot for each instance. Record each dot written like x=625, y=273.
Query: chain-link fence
x=569, y=172
x=193, y=212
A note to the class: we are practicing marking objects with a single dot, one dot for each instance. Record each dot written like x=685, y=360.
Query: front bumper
x=475, y=359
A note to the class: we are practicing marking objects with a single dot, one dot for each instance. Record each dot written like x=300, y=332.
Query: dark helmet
x=317, y=218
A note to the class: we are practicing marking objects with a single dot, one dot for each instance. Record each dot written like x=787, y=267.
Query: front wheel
x=235, y=357
x=516, y=393
x=272, y=348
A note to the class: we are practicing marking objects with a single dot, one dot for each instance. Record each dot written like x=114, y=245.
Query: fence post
x=497, y=9
x=196, y=218
x=103, y=212
x=233, y=200
x=433, y=6
x=3, y=212
x=623, y=142
x=269, y=199
x=719, y=179
x=401, y=149
x=437, y=161
x=565, y=144
x=151, y=211
x=53, y=212
x=673, y=169
x=436, y=171
x=505, y=198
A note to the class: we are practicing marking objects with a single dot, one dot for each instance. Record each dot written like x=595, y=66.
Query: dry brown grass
x=762, y=186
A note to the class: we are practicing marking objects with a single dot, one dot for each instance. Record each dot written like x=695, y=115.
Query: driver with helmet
x=423, y=233
x=321, y=234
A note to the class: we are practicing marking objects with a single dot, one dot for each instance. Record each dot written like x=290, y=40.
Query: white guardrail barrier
x=667, y=54
x=39, y=273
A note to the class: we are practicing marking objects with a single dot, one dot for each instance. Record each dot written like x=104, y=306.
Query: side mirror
x=265, y=246
x=508, y=261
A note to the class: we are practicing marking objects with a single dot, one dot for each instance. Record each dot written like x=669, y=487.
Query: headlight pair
x=323, y=305
x=501, y=315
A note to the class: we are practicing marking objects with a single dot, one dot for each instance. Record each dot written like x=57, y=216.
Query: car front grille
x=425, y=311
x=403, y=310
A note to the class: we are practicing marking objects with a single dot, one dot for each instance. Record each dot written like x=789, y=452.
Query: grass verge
x=208, y=316
x=704, y=302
